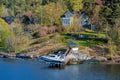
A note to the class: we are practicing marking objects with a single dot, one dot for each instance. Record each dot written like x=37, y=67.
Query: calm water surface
x=12, y=69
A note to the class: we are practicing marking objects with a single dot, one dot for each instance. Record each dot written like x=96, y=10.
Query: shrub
x=61, y=28
x=51, y=29
x=58, y=38
x=21, y=38
x=13, y=39
x=10, y=43
x=42, y=31
x=32, y=29
x=4, y=32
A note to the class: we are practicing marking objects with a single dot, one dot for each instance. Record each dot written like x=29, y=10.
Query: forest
x=36, y=27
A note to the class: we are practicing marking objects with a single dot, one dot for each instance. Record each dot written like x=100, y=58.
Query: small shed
x=72, y=44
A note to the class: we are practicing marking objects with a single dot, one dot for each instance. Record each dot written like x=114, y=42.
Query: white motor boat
x=53, y=58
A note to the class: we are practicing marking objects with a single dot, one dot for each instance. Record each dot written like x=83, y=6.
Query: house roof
x=71, y=43
x=71, y=13
x=68, y=14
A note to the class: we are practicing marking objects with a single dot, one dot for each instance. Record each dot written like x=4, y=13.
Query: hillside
x=42, y=26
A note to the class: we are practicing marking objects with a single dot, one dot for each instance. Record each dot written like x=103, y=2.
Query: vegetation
x=37, y=19
x=4, y=32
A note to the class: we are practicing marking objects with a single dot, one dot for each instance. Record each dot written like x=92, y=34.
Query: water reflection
x=19, y=69
x=52, y=67
x=8, y=60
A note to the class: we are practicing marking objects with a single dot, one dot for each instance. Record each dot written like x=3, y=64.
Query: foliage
x=11, y=39
x=21, y=38
x=4, y=31
x=43, y=31
x=76, y=25
x=53, y=13
x=61, y=29
x=10, y=43
x=110, y=15
x=77, y=5
x=104, y=14
x=111, y=47
x=88, y=6
x=2, y=7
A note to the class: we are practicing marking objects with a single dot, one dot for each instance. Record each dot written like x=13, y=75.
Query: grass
x=97, y=38
x=89, y=33
x=95, y=63
x=82, y=43
x=93, y=33
x=1, y=48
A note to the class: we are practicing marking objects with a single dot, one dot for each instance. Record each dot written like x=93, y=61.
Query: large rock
x=4, y=56
x=94, y=60
x=23, y=55
x=102, y=59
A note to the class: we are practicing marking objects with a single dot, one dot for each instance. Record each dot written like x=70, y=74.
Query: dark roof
x=68, y=13
x=71, y=43
x=8, y=18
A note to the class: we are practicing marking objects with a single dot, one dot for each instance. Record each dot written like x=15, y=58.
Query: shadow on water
x=52, y=67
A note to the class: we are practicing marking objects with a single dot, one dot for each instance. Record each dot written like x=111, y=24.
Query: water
x=12, y=69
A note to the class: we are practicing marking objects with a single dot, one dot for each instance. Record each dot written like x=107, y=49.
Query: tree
x=111, y=14
x=10, y=43
x=53, y=11
x=111, y=47
x=88, y=6
x=2, y=7
x=76, y=5
x=75, y=25
x=4, y=32
x=18, y=41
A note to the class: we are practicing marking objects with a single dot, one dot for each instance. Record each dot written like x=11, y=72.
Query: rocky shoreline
x=94, y=60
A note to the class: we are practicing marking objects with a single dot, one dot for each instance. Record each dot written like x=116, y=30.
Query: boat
x=59, y=57
x=53, y=58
